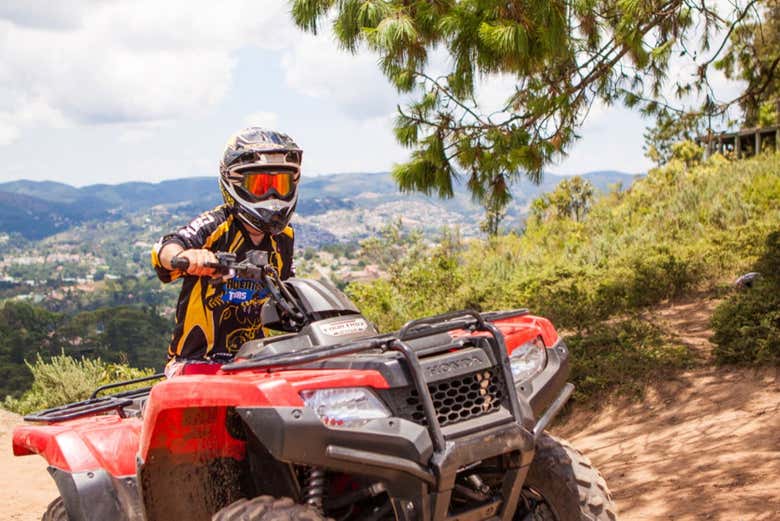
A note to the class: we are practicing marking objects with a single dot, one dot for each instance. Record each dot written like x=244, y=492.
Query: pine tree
x=754, y=57
x=563, y=56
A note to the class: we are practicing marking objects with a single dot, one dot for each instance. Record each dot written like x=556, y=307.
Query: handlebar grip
x=180, y=263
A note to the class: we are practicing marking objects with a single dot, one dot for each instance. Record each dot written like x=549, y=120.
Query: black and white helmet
x=258, y=177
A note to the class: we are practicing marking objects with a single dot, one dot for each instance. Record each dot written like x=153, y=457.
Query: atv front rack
x=460, y=320
x=94, y=405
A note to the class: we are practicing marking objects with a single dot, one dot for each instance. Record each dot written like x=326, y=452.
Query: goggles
x=260, y=184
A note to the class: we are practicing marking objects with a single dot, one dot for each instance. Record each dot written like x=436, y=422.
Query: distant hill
x=340, y=206
x=36, y=218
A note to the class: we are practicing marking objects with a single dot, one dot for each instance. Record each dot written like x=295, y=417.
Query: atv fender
x=87, y=444
x=92, y=461
x=193, y=435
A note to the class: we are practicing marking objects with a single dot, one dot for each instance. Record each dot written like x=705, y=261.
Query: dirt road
x=26, y=485
x=704, y=446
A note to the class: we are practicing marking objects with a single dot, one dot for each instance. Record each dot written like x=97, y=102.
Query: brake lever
x=224, y=267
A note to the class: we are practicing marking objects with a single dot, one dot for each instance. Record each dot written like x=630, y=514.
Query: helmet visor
x=259, y=184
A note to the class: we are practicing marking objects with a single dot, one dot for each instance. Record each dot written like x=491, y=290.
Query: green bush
x=678, y=229
x=747, y=324
x=64, y=379
x=622, y=355
x=683, y=227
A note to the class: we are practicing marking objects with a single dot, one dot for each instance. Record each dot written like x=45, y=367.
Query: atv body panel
x=204, y=441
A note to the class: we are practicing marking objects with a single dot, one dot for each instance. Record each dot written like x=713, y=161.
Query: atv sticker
x=239, y=291
x=345, y=327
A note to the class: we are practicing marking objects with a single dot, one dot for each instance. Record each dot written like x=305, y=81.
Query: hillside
x=331, y=207
x=632, y=286
x=679, y=229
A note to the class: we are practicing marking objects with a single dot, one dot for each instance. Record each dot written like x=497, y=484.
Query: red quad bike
x=442, y=420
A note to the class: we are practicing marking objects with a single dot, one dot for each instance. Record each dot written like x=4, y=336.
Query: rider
x=258, y=178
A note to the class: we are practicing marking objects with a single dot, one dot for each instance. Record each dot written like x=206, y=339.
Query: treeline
x=688, y=226
x=137, y=336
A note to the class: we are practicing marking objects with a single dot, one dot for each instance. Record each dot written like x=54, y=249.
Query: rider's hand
x=198, y=262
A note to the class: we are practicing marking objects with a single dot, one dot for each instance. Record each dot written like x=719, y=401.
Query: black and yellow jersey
x=219, y=319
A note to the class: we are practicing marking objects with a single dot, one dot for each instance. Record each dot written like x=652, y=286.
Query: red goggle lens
x=259, y=184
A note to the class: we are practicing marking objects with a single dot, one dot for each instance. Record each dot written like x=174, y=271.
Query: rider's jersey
x=218, y=319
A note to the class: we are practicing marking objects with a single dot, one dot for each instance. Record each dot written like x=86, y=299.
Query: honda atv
x=443, y=420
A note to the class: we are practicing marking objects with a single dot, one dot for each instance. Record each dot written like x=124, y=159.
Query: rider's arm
x=198, y=258
x=167, y=252
x=189, y=242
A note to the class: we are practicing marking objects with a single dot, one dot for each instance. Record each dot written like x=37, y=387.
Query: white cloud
x=262, y=119
x=317, y=67
x=125, y=61
x=46, y=14
x=9, y=132
x=139, y=63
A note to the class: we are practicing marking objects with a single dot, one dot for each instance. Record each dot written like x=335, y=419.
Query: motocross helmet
x=258, y=177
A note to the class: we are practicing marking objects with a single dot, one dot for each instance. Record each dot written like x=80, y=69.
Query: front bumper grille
x=455, y=399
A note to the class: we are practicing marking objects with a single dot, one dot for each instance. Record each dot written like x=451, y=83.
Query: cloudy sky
x=106, y=91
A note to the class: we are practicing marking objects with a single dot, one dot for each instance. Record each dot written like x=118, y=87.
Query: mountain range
x=334, y=207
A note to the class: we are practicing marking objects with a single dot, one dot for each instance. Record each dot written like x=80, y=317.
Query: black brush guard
x=512, y=439
x=467, y=319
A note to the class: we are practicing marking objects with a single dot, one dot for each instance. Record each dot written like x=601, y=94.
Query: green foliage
x=421, y=281
x=24, y=330
x=136, y=335
x=494, y=214
x=679, y=229
x=747, y=324
x=572, y=198
x=622, y=355
x=670, y=129
x=122, y=334
x=688, y=152
x=64, y=379
x=767, y=114
x=563, y=55
x=391, y=245
x=754, y=57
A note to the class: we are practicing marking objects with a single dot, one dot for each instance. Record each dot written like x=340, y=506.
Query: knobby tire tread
x=268, y=508
x=558, y=465
x=55, y=511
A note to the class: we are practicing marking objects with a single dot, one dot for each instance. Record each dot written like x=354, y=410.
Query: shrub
x=747, y=324
x=622, y=355
x=680, y=228
x=683, y=227
x=64, y=379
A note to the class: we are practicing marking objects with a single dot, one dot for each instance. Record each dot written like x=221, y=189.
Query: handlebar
x=254, y=267
x=180, y=263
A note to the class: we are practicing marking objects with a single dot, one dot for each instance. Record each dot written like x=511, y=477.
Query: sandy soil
x=704, y=445
x=27, y=487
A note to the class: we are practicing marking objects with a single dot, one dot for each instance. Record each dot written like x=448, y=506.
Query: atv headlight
x=528, y=360
x=345, y=407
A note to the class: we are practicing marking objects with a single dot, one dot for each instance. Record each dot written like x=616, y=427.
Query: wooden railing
x=743, y=143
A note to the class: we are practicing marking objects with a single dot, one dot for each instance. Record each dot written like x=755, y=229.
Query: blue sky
x=106, y=91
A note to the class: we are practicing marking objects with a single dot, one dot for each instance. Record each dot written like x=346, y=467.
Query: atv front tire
x=55, y=511
x=268, y=508
x=563, y=485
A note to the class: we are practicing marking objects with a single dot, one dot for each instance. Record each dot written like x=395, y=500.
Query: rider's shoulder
x=288, y=232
